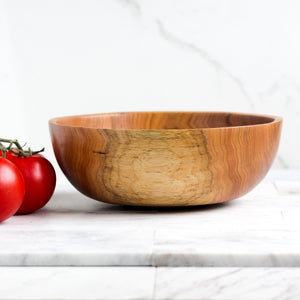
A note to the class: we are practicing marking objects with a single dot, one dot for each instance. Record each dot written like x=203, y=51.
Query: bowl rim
x=276, y=119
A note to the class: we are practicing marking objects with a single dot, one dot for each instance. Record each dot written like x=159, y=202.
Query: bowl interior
x=164, y=120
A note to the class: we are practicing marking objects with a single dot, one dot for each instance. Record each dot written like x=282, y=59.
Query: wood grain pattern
x=165, y=158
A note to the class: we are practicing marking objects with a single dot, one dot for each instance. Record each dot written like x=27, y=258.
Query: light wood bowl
x=165, y=158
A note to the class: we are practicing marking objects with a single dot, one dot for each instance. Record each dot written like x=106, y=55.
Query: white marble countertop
x=77, y=248
x=261, y=229
x=181, y=283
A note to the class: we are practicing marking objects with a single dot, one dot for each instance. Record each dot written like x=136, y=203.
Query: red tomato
x=40, y=180
x=12, y=189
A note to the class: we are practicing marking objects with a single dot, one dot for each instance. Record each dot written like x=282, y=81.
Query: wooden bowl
x=165, y=158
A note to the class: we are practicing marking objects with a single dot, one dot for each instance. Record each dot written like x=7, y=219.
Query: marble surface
x=227, y=283
x=261, y=229
x=105, y=283
x=113, y=283
x=122, y=55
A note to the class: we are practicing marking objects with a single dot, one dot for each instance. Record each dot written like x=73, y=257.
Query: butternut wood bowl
x=165, y=158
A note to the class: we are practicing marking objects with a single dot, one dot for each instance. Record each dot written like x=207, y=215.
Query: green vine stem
x=3, y=150
x=17, y=150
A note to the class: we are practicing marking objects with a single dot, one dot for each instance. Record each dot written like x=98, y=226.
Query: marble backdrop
x=65, y=57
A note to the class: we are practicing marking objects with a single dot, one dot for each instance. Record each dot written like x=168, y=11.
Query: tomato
x=12, y=189
x=40, y=179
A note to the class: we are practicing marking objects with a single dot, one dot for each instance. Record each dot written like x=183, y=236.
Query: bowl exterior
x=165, y=167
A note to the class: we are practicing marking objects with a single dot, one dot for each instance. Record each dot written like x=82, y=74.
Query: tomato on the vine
x=12, y=189
x=40, y=180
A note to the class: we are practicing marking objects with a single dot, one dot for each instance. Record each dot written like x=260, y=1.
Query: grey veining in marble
x=228, y=283
x=116, y=283
x=227, y=248
x=260, y=229
x=95, y=246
